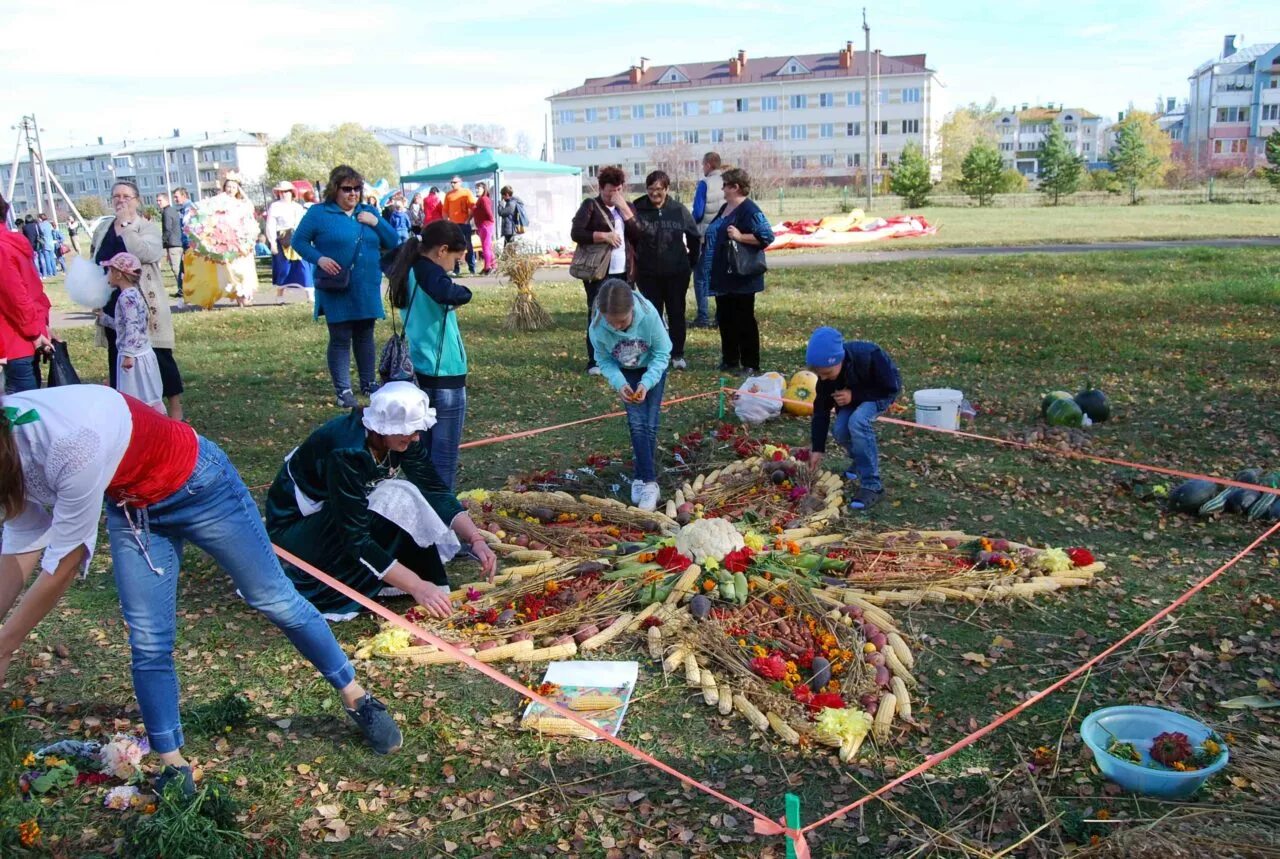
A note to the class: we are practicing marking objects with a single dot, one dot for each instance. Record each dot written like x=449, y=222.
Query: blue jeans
x=20, y=375
x=443, y=438
x=47, y=263
x=471, y=253
x=213, y=510
x=700, y=287
x=853, y=431
x=642, y=420
x=342, y=336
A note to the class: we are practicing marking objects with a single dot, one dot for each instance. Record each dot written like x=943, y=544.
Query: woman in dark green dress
x=360, y=500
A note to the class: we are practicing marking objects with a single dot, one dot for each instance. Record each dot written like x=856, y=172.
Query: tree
x=674, y=159
x=980, y=173
x=1159, y=146
x=1060, y=168
x=963, y=128
x=90, y=207
x=310, y=153
x=764, y=163
x=1272, y=171
x=1132, y=160
x=523, y=145
x=910, y=178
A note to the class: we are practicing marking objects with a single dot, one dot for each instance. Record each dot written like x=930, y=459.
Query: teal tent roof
x=487, y=161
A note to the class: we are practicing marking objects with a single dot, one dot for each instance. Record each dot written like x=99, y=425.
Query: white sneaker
x=679, y=364
x=637, y=486
x=649, y=497
x=593, y=371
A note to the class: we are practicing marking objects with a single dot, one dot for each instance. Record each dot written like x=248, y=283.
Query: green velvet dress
x=344, y=538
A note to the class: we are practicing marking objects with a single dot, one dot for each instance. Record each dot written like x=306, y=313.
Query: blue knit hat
x=826, y=348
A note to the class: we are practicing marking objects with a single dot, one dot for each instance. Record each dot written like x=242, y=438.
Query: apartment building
x=414, y=150
x=1021, y=135
x=803, y=116
x=1234, y=104
x=194, y=161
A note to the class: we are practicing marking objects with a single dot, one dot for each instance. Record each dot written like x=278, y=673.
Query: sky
x=261, y=65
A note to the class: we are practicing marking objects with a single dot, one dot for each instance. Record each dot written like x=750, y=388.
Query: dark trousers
x=739, y=333
x=471, y=254
x=667, y=294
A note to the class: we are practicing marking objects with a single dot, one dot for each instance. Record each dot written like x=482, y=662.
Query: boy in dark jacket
x=860, y=381
x=665, y=256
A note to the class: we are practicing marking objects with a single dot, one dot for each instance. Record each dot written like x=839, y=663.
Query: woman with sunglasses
x=344, y=239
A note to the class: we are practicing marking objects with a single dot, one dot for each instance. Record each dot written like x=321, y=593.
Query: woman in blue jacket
x=420, y=287
x=344, y=239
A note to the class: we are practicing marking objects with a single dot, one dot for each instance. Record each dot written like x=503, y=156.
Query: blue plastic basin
x=1140, y=725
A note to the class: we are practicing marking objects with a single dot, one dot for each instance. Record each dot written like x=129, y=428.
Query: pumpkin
x=802, y=388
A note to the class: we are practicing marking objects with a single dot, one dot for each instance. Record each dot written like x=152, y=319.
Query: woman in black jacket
x=607, y=219
x=665, y=256
x=739, y=220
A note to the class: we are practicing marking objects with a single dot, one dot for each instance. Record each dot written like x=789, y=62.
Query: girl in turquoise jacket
x=428, y=299
x=633, y=351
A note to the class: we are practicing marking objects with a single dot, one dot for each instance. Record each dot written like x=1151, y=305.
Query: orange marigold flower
x=1103, y=814
x=552, y=587
x=776, y=601
x=752, y=585
x=646, y=557
x=29, y=833
x=742, y=642
x=708, y=585
x=768, y=577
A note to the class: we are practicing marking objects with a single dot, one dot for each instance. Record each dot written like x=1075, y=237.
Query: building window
x=663, y=109
x=882, y=96
x=1270, y=112
x=799, y=101
x=1233, y=114
x=910, y=126
x=1068, y=129
x=882, y=127
x=854, y=98
x=638, y=168
x=664, y=138
x=768, y=102
x=826, y=130
x=186, y=156
x=692, y=167
x=797, y=162
x=690, y=108
x=1006, y=147
x=744, y=134
x=615, y=114
x=717, y=135
x=1234, y=146
x=593, y=170
x=827, y=160
x=637, y=140
x=884, y=159
x=769, y=132
x=793, y=68
x=716, y=105
x=852, y=129
x=827, y=99
x=593, y=143
x=744, y=104
x=615, y=141
x=799, y=132
x=691, y=137
x=1088, y=146
x=566, y=144
x=590, y=115
x=854, y=159
x=911, y=95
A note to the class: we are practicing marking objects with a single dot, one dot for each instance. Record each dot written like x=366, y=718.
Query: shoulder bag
x=341, y=281
x=394, y=364
x=745, y=260
x=591, y=261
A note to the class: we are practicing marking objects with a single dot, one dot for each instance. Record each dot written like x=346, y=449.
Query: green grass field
x=1185, y=342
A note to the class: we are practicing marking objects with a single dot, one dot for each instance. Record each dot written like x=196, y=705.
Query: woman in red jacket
x=24, y=310
x=483, y=218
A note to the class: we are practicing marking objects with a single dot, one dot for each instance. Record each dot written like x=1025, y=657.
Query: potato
x=585, y=632
x=486, y=645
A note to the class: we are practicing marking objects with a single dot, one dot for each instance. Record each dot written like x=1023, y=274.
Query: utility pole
x=45, y=173
x=866, y=104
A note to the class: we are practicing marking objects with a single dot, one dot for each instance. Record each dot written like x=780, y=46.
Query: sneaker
x=679, y=364
x=593, y=370
x=636, y=487
x=181, y=775
x=865, y=499
x=702, y=323
x=649, y=494
x=379, y=729
x=749, y=371
x=346, y=399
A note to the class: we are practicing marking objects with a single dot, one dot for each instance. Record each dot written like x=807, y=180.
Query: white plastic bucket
x=938, y=407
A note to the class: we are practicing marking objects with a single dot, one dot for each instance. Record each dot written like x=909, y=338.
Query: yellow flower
x=710, y=563
x=29, y=760
x=480, y=495
x=1211, y=748
x=754, y=541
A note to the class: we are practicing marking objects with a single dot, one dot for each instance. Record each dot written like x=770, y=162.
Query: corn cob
x=898, y=669
x=461, y=593
x=595, y=701
x=871, y=612
x=795, y=534
x=679, y=498
x=884, y=717
x=818, y=540
x=1071, y=582
x=1089, y=571
x=504, y=651
x=782, y=729
x=674, y=659
x=725, y=693
x=534, y=569
x=710, y=694
x=687, y=490
x=643, y=616
x=901, y=650
x=685, y=586
x=600, y=502
x=698, y=483
x=750, y=712
x=670, y=509
x=530, y=555
x=711, y=478
x=440, y=657
x=557, y=726
x=655, y=642
x=902, y=697
x=417, y=650
x=504, y=548
x=608, y=634
x=545, y=654
x=692, y=673
x=489, y=536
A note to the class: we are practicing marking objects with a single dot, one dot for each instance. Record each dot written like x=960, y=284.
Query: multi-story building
x=1021, y=134
x=803, y=116
x=1234, y=104
x=194, y=161
x=414, y=150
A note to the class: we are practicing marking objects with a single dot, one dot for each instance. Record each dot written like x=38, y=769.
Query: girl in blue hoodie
x=428, y=299
x=633, y=351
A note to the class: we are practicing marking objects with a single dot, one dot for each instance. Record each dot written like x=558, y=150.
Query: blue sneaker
x=379, y=729
x=181, y=775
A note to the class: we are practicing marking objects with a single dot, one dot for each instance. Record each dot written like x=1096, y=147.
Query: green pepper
x=740, y=588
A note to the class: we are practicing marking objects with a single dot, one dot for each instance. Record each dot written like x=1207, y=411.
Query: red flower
x=91, y=778
x=1080, y=556
x=1170, y=748
x=724, y=432
x=772, y=667
x=738, y=560
x=650, y=621
x=671, y=560
x=801, y=454
x=779, y=456
x=802, y=693
x=805, y=659
x=797, y=493
x=826, y=700
x=489, y=616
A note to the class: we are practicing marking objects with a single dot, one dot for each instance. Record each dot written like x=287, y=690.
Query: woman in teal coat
x=360, y=500
x=344, y=239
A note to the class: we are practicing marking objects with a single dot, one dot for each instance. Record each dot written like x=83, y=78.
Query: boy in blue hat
x=860, y=381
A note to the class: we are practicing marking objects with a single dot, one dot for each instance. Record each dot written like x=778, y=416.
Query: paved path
x=801, y=259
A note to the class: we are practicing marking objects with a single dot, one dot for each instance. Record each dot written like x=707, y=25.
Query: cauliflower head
x=708, y=538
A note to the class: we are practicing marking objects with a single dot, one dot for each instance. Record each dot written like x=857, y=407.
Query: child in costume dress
x=137, y=371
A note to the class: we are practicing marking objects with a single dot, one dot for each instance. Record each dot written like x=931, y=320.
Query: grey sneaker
x=379, y=729
x=593, y=370
x=346, y=399
x=679, y=364
x=637, y=486
x=649, y=495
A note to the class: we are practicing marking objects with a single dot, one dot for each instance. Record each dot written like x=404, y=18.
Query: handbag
x=394, y=363
x=341, y=281
x=745, y=260
x=61, y=370
x=591, y=262
x=284, y=239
